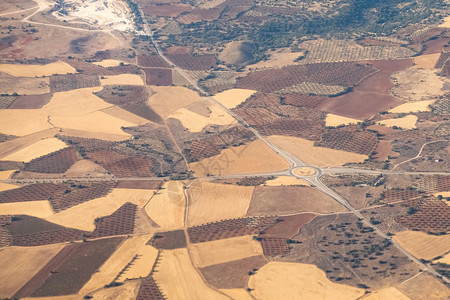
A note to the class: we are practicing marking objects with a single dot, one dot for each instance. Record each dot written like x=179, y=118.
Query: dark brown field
x=56, y=162
x=62, y=83
x=30, y=101
x=169, y=240
x=152, y=61
x=158, y=76
x=193, y=62
x=357, y=141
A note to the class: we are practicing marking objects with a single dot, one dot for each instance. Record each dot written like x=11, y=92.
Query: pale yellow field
x=446, y=22
x=7, y=186
x=167, y=207
x=65, y=297
x=11, y=146
x=6, y=174
x=255, y=157
x=17, y=70
x=221, y=251
x=196, y=122
x=279, y=58
x=413, y=107
x=40, y=209
x=19, y=264
x=335, y=120
x=115, y=263
x=168, y=99
x=286, y=180
x=178, y=279
x=237, y=294
x=75, y=102
x=128, y=290
x=210, y=202
x=424, y=287
x=142, y=266
x=84, y=167
x=125, y=115
x=408, y=122
x=83, y=215
x=106, y=63
x=23, y=122
x=93, y=135
x=24, y=85
x=36, y=150
x=427, y=61
x=281, y=280
x=315, y=156
x=390, y=293
x=423, y=245
x=234, y=97
x=443, y=194
x=128, y=79
x=304, y=171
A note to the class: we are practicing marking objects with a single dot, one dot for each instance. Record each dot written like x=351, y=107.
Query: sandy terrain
x=126, y=79
x=20, y=264
x=335, y=120
x=106, y=63
x=221, y=251
x=387, y=293
x=84, y=167
x=232, y=98
x=40, y=209
x=7, y=186
x=423, y=245
x=255, y=157
x=427, y=61
x=118, y=260
x=168, y=99
x=127, y=116
x=178, y=279
x=235, y=52
x=408, y=122
x=279, y=58
x=23, y=122
x=413, y=107
x=212, y=202
x=286, y=180
x=446, y=22
x=414, y=84
x=17, y=70
x=278, y=280
x=316, y=156
x=128, y=290
x=83, y=215
x=166, y=208
x=305, y=171
x=6, y=174
x=196, y=122
x=40, y=148
x=24, y=85
x=424, y=287
x=142, y=266
x=237, y=294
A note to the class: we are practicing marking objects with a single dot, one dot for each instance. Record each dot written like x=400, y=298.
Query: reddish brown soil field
x=169, y=240
x=10, y=165
x=434, y=183
x=32, y=192
x=119, y=223
x=191, y=62
x=140, y=184
x=62, y=83
x=88, y=68
x=48, y=237
x=152, y=61
x=178, y=50
x=149, y=290
x=212, y=144
x=432, y=215
x=158, y=76
x=56, y=162
x=229, y=228
x=435, y=46
x=77, y=269
x=361, y=142
x=303, y=100
x=83, y=192
x=171, y=10
x=30, y=101
x=131, y=167
x=346, y=74
x=382, y=151
x=288, y=226
x=234, y=274
x=45, y=272
x=274, y=246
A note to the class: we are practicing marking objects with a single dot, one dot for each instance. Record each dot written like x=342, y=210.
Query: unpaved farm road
x=294, y=162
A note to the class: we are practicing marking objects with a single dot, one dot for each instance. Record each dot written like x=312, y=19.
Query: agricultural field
x=224, y=149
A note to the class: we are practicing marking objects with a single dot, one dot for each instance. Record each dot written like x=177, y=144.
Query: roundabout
x=304, y=171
